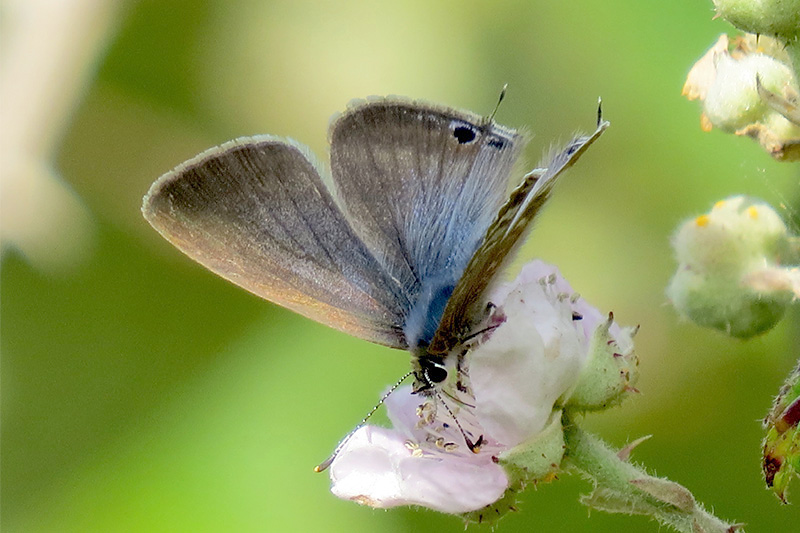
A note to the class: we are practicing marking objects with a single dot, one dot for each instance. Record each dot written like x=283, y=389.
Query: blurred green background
x=142, y=393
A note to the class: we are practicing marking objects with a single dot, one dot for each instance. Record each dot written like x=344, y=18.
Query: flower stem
x=622, y=487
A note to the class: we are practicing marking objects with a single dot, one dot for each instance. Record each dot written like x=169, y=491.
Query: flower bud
x=717, y=254
x=749, y=91
x=733, y=101
x=781, y=18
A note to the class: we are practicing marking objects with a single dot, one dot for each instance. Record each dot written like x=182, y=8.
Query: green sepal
x=536, y=460
x=609, y=373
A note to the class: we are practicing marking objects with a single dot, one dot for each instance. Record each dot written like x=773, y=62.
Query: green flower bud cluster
x=732, y=273
x=749, y=90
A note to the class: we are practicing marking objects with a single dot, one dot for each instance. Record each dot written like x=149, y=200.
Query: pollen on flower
x=442, y=444
x=702, y=221
x=719, y=205
x=426, y=413
x=414, y=448
x=752, y=212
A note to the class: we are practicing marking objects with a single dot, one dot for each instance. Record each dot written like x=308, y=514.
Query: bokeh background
x=142, y=393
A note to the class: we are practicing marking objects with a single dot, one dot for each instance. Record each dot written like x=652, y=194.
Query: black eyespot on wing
x=464, y=134
x=496, y=142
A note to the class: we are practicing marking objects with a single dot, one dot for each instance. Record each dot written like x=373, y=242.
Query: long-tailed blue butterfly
x=397, y=244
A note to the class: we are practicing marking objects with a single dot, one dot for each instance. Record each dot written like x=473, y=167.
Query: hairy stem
x=622, y=487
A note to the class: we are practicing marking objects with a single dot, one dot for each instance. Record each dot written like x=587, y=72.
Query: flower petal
x=529, y=361
x=378, y=469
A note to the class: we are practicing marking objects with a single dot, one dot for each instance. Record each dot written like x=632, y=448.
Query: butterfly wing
x=505, y=232
x=421, y=185
x=256, y=212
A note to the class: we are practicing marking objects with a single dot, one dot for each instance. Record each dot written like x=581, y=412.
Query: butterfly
x=397, y=243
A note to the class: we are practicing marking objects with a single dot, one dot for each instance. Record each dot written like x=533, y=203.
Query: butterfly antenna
x=327, y=462
x=500, y=99
x=599, y=111
x=544, y=179
x=474, y=447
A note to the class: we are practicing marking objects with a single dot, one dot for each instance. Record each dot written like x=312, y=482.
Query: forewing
x=421, y=184
x=256, y=212
x=514, y=217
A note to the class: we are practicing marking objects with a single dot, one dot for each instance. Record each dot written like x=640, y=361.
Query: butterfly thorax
x=421, y=326
x=426, y=313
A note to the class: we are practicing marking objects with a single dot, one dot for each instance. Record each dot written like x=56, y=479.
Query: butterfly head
x=430, y=372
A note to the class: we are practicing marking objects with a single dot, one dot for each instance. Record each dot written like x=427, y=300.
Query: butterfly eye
x=464, y=133
x=434, y=371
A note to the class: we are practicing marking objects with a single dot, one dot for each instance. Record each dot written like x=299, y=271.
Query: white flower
x=505, y=390
x=531, y=360
x=414, y=464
